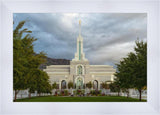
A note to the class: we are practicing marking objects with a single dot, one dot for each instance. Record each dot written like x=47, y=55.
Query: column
x=59, y=85
x=99, y=85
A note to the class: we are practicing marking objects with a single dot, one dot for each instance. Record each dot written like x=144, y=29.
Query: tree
x=132, y=70
x=124, y=74
x=33, y=72
x=115, y=87
x=38, y=80
x=54, y=85
x=43, y=85
x=48, y=87
x=31, y=81
x=19, y=81
x=141, y=66
x=70, y=84
x=26, y=63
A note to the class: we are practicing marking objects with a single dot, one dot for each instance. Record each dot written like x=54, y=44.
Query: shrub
x=66, y=92
x=54, y=85
x=89, y=84
x=74, y=92
x=56, y=94
x=70, y=84
x=95, y=92
x=78, y=92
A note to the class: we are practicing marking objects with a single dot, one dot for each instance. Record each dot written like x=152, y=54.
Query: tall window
x=63, y=84
x=79, y=50
x=79, y=70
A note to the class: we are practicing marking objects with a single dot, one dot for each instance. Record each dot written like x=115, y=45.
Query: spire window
x=79, y=70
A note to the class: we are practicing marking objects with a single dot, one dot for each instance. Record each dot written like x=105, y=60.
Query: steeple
x=79, y=55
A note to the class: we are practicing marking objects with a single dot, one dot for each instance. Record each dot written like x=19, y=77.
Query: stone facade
x=80, y=71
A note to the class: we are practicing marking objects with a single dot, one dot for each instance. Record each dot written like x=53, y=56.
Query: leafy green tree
x=140, y=73
x=70, y=84
x=33, y=71
x=43, y=85
x=54, y=85
x=124, y=74
x=48, y=87
x=132, y=70
x=38, y=81
x=19, y=70
x=115, y=87
x=32, y=84
x=26, y=63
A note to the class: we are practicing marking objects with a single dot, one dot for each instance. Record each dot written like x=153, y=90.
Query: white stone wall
x=101, y=73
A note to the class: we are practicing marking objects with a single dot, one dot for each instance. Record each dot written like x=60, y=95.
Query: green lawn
x=79, y=99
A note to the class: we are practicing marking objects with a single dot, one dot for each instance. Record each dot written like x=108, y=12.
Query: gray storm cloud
x=108, y=37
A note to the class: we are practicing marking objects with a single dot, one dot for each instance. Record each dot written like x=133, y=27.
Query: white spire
x=79, y=55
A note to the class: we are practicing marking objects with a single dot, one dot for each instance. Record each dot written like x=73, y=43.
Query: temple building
x=80, y=72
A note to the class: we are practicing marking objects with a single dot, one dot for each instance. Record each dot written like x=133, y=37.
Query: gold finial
x=79, y=27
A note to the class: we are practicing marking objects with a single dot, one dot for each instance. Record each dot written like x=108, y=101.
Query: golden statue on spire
x=79, y=27
x=79, y=22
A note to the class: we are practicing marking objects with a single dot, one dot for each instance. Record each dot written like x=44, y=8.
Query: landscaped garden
x=79, y=99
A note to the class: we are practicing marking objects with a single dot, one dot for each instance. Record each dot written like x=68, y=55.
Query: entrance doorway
x=79, y=83
x=63, y=84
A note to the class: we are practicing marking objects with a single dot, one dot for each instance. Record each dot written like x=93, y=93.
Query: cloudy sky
x=108, y=37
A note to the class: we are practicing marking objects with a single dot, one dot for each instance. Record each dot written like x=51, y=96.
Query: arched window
x=95, y=84
x=79, y=70
x=63, y=84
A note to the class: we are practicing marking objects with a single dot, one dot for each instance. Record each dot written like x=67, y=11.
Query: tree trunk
x=127, y=93
x=29, y=95
x=140, y=94
x=118, y=93
x=15, y=96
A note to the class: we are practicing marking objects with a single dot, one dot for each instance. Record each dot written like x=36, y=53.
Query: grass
x=79, y=99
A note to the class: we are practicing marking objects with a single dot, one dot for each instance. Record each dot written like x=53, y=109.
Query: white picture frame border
x=8, y=7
